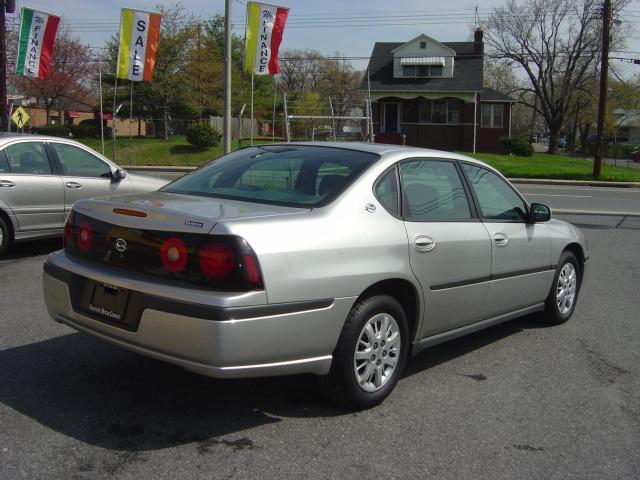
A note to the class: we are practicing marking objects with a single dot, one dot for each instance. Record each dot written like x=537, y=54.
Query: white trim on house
x=425, y=37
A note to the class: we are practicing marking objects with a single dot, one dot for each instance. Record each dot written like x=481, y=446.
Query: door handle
x=423, y=243
x=72, y=185
x=500, y=239
x=7, y=184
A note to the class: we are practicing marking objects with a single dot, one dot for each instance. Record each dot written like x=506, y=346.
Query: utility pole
x=3, y=67
x=604, y=75
x=227, y=77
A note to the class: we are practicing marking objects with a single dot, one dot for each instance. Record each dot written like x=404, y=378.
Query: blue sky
x=350, y=27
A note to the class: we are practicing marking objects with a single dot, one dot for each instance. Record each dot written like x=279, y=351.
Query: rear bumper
x=223, y=342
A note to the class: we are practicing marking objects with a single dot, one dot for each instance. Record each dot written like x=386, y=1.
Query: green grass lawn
x=544, y=165
x=178, y=152
x=154, y=151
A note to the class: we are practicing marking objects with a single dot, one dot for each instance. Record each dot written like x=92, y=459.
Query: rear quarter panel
x=330, y=252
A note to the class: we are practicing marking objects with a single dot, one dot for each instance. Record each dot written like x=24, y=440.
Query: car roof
x=383, y=148
x=8, y=136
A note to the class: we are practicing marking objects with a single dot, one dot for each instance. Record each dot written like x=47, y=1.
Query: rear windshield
x=293, y=175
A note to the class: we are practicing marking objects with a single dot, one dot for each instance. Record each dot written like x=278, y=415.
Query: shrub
x=203, y=135
x=88, y=121
x=53, y=130
x=84, y=131
x=518, y=146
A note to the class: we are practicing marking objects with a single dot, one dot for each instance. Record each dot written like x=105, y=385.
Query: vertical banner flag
x=35, y=46
x=265, y=26
x=139, y=34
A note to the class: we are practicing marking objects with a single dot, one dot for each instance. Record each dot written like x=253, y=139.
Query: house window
x=440, y=111
x=435, y=71
x=423, y=45
x=422, y=71
x=491, y=116
x=408, y=71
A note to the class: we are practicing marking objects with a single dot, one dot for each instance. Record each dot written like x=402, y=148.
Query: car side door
x=449, y=248
x=521, y=269
x=31, y=187
x=85, y=175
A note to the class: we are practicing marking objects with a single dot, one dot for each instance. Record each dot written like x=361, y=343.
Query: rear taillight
x=173, y=254
x=84, y=237
x=216, y=260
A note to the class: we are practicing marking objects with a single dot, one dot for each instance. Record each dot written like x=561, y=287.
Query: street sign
x=20, y=117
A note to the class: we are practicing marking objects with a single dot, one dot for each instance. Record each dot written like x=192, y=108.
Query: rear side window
x=295, y=175
x=28, y=158
x=386, y=191
x=432, y=191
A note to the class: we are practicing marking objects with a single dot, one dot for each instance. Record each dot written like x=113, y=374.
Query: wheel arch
x=405, y=293
x=7, y=218
x=578, y=251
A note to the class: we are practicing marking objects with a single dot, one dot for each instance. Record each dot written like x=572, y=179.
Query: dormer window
x=423, y=45
x=422, y=67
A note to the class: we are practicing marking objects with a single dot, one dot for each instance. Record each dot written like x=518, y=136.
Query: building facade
x=430, y=94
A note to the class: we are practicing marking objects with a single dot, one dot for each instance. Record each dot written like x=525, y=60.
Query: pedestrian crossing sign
x=20, y=117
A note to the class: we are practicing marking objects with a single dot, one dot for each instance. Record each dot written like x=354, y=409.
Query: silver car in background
x=334, y=259
x=42, y=177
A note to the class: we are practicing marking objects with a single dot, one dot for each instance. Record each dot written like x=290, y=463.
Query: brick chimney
x=478, y=44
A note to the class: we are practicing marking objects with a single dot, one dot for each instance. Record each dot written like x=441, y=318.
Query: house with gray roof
x=428, y=93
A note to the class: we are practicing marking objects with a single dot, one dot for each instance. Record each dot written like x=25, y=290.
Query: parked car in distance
x=334, y=259
x=42, y=177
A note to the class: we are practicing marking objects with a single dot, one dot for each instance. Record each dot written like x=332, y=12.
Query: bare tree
x=301, y=70
x=556, y=43
x=341, y=82
x=72, y=68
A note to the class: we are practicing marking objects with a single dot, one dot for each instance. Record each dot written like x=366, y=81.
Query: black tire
x=553, y=314
x=341, y=384
x=5, y=236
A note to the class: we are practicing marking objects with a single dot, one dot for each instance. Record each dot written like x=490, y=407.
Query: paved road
x=584, y=198
x=515, y=401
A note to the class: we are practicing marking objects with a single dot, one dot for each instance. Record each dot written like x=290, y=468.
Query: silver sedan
x=334, y=259
x=42, y=177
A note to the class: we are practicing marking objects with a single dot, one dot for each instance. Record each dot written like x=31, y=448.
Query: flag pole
x=101, y=110
x=252, y=126
x=131, y=112
x=273, y=118
x=113, y=118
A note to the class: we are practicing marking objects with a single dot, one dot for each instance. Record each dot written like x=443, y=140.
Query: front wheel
x=371, y=353
x=563, y=295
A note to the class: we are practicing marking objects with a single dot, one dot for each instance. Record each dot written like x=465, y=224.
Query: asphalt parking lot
x=516, y=401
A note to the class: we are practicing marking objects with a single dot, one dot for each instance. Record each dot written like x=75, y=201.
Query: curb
x=581, y=183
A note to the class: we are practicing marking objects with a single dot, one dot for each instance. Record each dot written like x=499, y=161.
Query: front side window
x=491, y=116
x=4, y=163
x=432, y=191
x=77, y=162
x=296, y=175
x=497, y=200
x=29, y=158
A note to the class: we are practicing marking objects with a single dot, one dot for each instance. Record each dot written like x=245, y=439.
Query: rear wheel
x=5, y=236
x=563, y=296
x=371, y=353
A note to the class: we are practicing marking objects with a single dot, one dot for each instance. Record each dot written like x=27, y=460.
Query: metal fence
x=240, y=127
x=328, y=120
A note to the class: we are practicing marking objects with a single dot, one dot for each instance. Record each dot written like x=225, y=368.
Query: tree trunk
x=165, y=134
x=553, y=139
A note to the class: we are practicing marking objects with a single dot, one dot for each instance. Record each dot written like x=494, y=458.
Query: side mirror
x=119, y=174
x=539, y=213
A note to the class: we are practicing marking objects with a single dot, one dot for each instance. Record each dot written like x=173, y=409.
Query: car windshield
x=293, y=175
